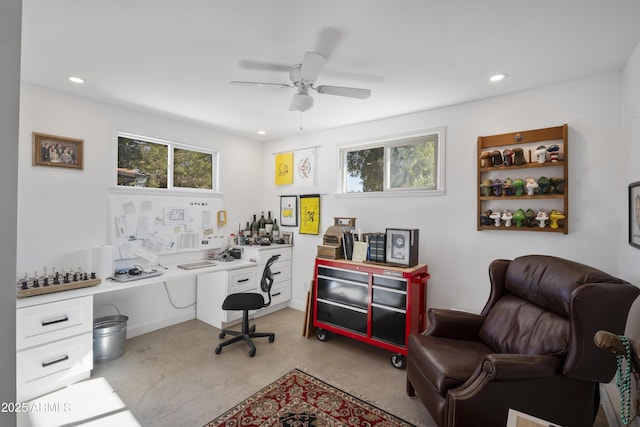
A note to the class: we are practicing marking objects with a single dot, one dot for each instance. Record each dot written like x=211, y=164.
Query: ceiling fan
x=303, y=77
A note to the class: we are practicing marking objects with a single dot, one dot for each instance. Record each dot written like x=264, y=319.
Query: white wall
x=10, y=19
x=457, y=254
x=62, y=213
x=629, y=268
x=630, y=118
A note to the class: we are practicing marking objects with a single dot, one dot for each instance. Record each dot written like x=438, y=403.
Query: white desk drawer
x=40, y=324
x=280, y=293
x=242, y=280
x=281, y=272
x=52, y=366
x=263, y=255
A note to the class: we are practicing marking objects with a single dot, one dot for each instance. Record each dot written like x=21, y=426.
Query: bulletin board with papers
x=147, y=226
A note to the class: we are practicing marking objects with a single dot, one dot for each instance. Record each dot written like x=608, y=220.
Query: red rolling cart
x=377, y=304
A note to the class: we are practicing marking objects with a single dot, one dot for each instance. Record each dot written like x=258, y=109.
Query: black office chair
x=249, y=301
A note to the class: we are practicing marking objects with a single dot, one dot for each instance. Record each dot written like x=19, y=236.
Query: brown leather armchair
x=531, y=348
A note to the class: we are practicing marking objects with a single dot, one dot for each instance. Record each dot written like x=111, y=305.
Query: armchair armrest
x=453, y=324
x=509, y=367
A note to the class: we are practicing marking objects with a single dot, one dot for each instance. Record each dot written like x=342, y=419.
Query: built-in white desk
x=54, y=332
x=172, y=272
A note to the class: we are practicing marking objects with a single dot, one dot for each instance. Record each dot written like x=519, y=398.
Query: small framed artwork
x=58, y=151
x=289, y=211
x=287, y=237
x=634, y=214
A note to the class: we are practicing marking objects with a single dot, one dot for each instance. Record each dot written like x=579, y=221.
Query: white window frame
x=387, y=143
x=215, y=164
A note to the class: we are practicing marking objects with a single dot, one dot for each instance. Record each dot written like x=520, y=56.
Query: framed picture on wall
x=289, y=211
x=57, y=151
x=634, y=214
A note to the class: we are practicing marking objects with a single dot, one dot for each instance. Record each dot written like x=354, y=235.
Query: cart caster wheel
x=218, y=349
x=322, y=335
x=252, y=353
x=398, y=361
x=272, y=339
x=222, y=335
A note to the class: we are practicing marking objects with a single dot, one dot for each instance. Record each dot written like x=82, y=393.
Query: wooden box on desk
x=330, y=252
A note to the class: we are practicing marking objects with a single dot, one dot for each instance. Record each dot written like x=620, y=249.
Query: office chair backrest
x=267, y=278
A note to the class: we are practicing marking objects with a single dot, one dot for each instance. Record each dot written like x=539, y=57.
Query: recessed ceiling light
x=76, y=79
x=498, y=77
x=262, y=132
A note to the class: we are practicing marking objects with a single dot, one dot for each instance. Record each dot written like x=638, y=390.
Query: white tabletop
x=172, y=272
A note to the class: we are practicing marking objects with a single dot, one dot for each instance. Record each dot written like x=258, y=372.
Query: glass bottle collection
x=260, y=231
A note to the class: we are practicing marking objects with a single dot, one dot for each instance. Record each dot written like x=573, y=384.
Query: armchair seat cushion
x=446, y=363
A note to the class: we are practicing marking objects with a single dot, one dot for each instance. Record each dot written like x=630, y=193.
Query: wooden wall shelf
x=528, y=141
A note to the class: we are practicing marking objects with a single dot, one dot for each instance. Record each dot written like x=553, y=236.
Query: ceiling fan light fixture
x=301, y=102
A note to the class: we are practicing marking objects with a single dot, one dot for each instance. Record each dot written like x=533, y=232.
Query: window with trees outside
x=152, y=163
x=412, y=163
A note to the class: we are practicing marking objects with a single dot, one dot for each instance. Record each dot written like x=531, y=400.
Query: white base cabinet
x=214, y=287
x=54, y=343
x=281, y=270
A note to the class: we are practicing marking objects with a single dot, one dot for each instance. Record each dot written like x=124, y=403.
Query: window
x=152, y=163
x=407, y=164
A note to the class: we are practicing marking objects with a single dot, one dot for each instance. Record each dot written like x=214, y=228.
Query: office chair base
x=245, y=335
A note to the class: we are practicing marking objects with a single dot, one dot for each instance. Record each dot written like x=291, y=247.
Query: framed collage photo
x=57, y=151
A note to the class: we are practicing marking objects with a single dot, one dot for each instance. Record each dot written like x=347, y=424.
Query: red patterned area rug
x=302, y=400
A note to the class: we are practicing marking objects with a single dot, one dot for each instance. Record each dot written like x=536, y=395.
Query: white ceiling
x=177, y=57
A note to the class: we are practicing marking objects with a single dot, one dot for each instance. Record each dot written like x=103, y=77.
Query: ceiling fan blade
x=264, y=66
x=260, y=84
x=350, y=92
x=311, y=66
x=328, y=40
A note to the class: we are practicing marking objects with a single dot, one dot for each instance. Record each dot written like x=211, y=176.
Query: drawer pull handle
x=277, y=272
x=53, y=322
x=275, y=295
x=53, y=362
x=243, y=280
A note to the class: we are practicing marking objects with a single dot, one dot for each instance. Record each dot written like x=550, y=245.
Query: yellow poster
x=310, y=214
x=284, y=168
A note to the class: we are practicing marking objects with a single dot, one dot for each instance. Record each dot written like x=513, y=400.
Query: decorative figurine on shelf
x=518, y=217
x=496, y=216
x=507, y=187
x=555, y=216
x=507, y=217
x=484, y=217
x=544, y=185
x=542, y=218
x=496, y=158
x=518, y=186
x=530, y=218
x=531, y=185
x=557, y=185
x=485, y=159
x=553, y=150
x=486, y=188
x=497, y=187
x=518, y=156
x=541, y=154
x=507, y=156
